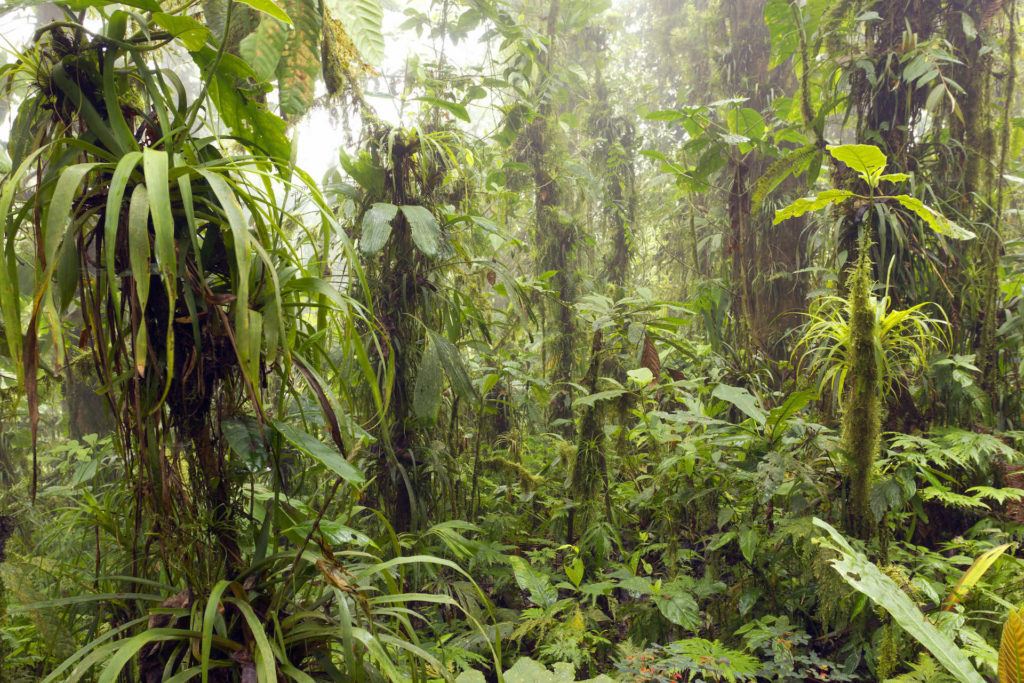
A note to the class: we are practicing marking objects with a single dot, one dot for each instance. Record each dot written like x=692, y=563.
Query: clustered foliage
x=664, y=341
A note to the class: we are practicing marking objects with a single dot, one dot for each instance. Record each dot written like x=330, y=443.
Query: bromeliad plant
x=857, y=344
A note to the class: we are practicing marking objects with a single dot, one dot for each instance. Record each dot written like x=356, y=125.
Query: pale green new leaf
x=802, y=206
x=864, y=576
x=377, y=227
x=426, y=232
x=867, y=160
x=935, y=220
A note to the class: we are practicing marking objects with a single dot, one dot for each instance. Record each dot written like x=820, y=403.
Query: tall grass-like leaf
x=129, y=648
x=864, y=576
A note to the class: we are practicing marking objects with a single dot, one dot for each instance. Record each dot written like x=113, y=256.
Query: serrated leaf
x=894, y=177
x=426, y=232
x=935, y=220
x=791, y=163
x=263, y=48
x=426, y=395
x=377, y=227
x=542, y=593
x=864, y=576
x=316, y=449
x=816, y=203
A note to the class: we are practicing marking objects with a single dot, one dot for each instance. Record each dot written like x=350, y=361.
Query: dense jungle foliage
x=673, y=340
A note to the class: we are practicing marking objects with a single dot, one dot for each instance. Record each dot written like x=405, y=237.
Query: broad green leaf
x=451, y=361
x=678, y=606
x=244, y=438
x=263, y=47
x=746, y=122
x=661, y=115
x=864, y=576
x=894, y=177
x=542, y=593
x=316, y=449
x=154, y=163
x=138, y=241
x=867, y=160
x=59, y=210
x=748, y=543
x=426, y=232
x=935, y=220
x=377, y=227
x=192, y=34
x=742, y=399
x=817, y=203
x=454, y=107
x=269, y=7
x=299, y=66
x=641, y=376
x=426, y=397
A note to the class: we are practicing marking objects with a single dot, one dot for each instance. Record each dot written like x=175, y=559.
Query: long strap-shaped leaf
x=863, y=575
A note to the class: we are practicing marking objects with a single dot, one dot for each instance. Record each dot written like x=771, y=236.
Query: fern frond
x=793, y=162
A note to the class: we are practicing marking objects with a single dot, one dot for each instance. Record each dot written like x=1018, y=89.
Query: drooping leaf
x=426, y=232
x=377, y=227
x=299, y=65
x=742, y=399
x=864, y=576
x=935, y=220
x=791, y=163
x=454, y=107
x=263, y=48
x=427, y=393
x=316, y=449
x=453, y=366
x=678, y=606
x=817, y=203
x=269, y=7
